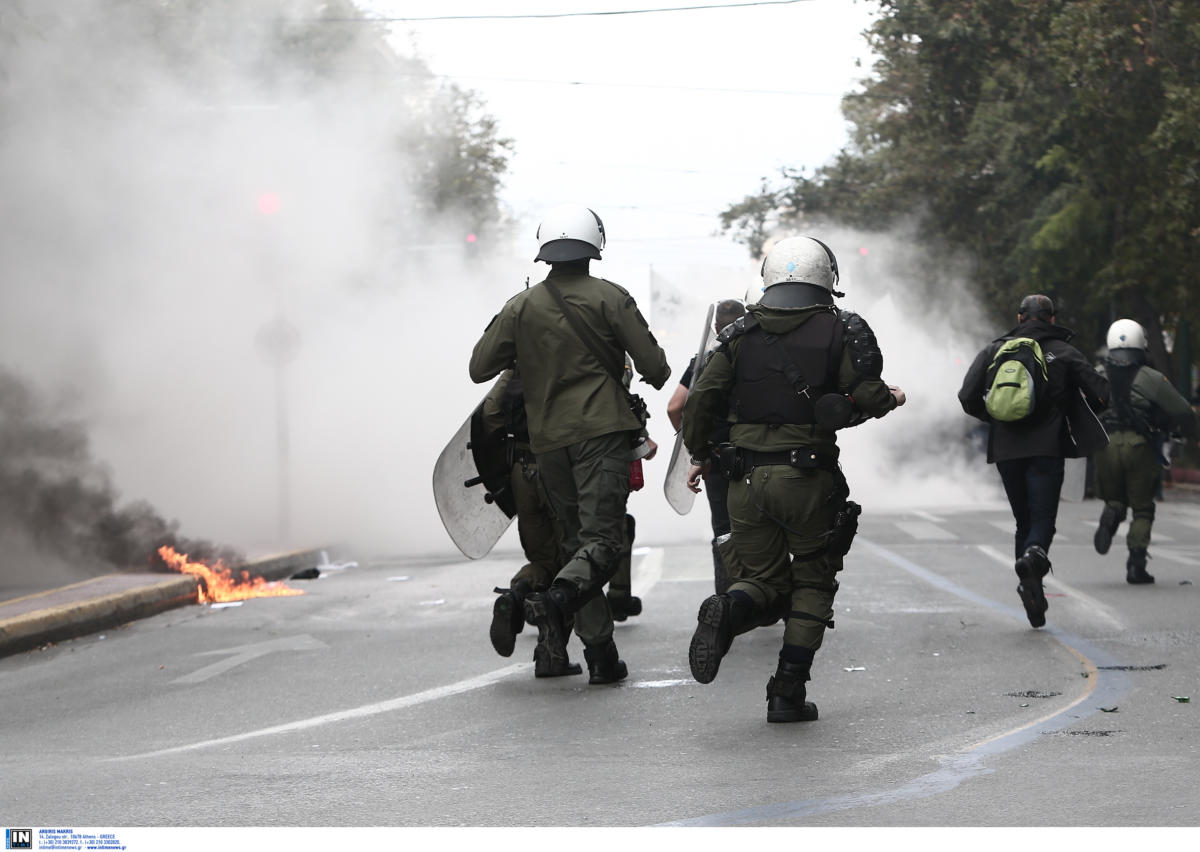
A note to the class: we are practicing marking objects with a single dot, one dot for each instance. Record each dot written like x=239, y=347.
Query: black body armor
x=779, y=378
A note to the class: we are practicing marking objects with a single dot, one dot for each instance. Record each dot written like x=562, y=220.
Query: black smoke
x=58, y=505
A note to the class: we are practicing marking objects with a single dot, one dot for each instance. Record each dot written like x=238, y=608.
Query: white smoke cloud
x=138, y=272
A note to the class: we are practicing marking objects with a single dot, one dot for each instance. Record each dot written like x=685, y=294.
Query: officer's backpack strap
x=592, y=342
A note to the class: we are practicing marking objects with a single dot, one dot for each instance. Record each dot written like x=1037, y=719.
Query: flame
x=219, y=583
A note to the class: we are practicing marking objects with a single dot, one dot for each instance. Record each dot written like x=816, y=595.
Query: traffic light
x=268, y=204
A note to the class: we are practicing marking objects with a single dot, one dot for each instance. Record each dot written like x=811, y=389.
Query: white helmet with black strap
x=570, y=232
x=1126, y=334
x=799, y=261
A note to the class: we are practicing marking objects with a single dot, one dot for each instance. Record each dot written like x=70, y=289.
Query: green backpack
x=1016, y=380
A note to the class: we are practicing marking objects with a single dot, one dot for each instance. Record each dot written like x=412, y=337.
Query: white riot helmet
x=753, y=293
x=569, y=232
x=1126, y=334
x=801, y=260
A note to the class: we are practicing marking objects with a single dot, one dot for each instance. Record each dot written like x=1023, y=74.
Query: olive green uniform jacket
x=569, y=395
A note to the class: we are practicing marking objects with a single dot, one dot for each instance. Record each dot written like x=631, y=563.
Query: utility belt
x=735, y=462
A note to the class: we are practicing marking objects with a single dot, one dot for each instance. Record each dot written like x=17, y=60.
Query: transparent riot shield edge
x=473, y=522
x=675, y=487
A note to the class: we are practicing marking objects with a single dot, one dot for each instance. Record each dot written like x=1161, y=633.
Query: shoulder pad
x=864, y=349
x=738, y=327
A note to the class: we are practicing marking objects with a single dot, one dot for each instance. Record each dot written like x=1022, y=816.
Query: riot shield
x=471, y=487
x=675, y=483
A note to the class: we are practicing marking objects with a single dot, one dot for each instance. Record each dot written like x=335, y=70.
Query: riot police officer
x=1143, y=407
x=788, y=374
x=570, y=333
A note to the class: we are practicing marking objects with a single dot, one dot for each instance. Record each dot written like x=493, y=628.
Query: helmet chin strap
x=795, y=294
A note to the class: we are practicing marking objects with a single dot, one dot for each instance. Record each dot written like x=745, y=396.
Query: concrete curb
x=114, y=599
x=69, y=621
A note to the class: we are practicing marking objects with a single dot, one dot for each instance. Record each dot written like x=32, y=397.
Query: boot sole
x=1105, y=531
x=807, y=713
x=1035, y=609
x=504, y=638
x=706, y=651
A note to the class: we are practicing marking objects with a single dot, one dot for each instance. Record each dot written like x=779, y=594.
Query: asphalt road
x=375, y=699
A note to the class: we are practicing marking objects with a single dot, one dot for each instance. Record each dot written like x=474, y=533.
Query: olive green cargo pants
x=587, y=484
x=1127, y=472
x=780, y=518
x=536, y=527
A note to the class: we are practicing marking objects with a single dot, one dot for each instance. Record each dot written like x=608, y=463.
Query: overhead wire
x=544, y=15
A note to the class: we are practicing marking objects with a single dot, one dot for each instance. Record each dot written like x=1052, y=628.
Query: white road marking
x=1173, y=555
x=344, y=715
x=925, y=531
x=649, y=571
x=1010, y=527
x=1104, y=611
x=246, y=653
x=932, y=518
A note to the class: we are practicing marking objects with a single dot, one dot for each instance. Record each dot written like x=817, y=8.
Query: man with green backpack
x=1038, y=393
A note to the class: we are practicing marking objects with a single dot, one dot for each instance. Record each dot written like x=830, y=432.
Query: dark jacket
x=1066, y=427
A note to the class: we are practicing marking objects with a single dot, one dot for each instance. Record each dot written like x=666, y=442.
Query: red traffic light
x=268, y=203
x=471, y=238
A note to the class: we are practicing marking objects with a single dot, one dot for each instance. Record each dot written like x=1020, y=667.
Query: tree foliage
x=1051, y=142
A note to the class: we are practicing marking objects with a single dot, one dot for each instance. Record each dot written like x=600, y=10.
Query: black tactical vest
x=779, y=378
x=1123, y=413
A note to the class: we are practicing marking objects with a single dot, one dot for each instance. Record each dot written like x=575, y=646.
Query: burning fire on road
x=218, y=585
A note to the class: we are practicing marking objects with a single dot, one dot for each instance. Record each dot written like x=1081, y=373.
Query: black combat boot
x=1135, y=567
x=604, y=665
x=786, y=694
x=623, y=605
x=1031, y=568
x=508, y=617
x=1110, y=519
x=550, y=656
x=721, y=617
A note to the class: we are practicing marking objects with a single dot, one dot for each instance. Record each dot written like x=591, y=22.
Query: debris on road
x=1108, y=709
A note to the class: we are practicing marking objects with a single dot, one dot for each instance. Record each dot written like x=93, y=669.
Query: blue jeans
x=1033, y=486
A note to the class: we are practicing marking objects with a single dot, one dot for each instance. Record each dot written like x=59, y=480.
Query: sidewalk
x=104, y=602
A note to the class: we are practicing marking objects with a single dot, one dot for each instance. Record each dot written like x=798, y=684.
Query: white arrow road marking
x=246, y=653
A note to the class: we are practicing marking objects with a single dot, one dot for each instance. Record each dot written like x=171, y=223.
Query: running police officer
x=1144, y=406
x=570, y=334
x=787, y=375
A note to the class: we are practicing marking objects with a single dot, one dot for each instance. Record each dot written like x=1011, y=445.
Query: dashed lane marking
x=925, y=531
